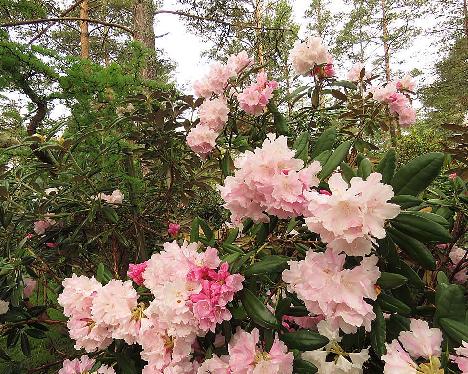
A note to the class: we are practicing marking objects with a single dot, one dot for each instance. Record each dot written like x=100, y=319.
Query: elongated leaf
x=270, y=264
x=323, y=157
x=324, y=142
x=389, y=281
x=335, y=159
x=378, y=333
x=301, y=366
x=110, y=214
x=456, y=330
x=417, y=175
x=450, y=302
x=282, y=307
x=301, y=145
x=304, y=340
x=393, y=305
x=257, y=310
x=195, y=231
x=387, y=165
x=421, y=228
x=279, y=120
x=347, y=171
x=406, y=201
x=365, y=168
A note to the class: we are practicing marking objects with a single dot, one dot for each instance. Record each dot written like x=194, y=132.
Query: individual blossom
x=343, y=362
x=269, y=180
x=457, y=255
x=213, y=113
x=4, y=306
x=397, y=360
x=452, y=176
x=40, y=227
x=352, y=214
x=78, y=294
x=29, y=286
x=406, y=83
x=83, y=365
x=239, y=62
x=338, y=294
x=421, y=341
x=201, y=139
x=254, y=98
x=173, y=229
x=306, y=55
x=354, y=74
x=215, y=81
x=88, y=334
x=461, y=357
x=135, y=272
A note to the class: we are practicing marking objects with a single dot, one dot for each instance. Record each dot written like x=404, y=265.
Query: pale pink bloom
x=421, y=341
x=215, y=365
x=456, y=255
x=336, y=293
x=213, y=113
x=342, y=364
x=383, y=94
x=397, y=361
x=173, y=229
x=114, y=302
x=461, y=357
x=452, y=176
x=254, y=98
x=407, y=116
x=201, y=139
x=83, y=365
x=29, y=286
x=115, y=198
x=269, y=180
x=88, y=335
x=40, y=227
x=305, y=55
x=135, y=272
x=398, y=103
x=406, y=83
x=354, y=74
x=239, y=62
x=215, y=81
x=77, y=295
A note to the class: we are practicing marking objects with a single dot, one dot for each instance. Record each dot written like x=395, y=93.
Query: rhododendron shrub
x=331, y=259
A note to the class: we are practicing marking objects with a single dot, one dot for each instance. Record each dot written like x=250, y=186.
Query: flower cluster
x=115, y=198
x=398, y=103
x=306, y=55
x=421, y=341
x=269, y=180
x=338, y=294
x=84, y=365
x=191, y=291
x=254, y=98
x=245, y=356
x=461, y=357
x=351, y=215
x=354, y=74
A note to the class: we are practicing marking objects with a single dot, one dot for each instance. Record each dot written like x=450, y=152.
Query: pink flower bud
x=173, y=229
x=452, y=176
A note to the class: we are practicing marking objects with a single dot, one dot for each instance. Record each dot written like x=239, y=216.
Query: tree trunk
x=465, y=19
x=258, y=31
x=143, y=17
x=320, y=28
x=84, y=32
x=385, y=40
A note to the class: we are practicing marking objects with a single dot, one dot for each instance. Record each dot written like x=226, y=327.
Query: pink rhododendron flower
x=83, y=365
x=115, y=198
x=305, y=55
x=77, y=295
x=382, y=94
x=239, y=62
x=29, y=236
x=397, y=361
x=29, y=286
x=456, y=255
x=336, y=293
x=254, y=98
x=173, y=229
x=325, y=71
x=88, y=334
x=406, y=83
x=461, y=357
x=135, y=272
x=354, y=74
x=351, y=215
x=40, y=227
x=452, y=176
x=201, y=139
x=215, y=81
x=213, y=113
x=398, y=103
x=421, y=341
x=269, y=180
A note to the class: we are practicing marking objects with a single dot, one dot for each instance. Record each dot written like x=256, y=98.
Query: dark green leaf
x=387, y=165
x=269, y=264
x=257, y=310
x=304, y=340
x=391, y=280
x=337, y=157
x=378, y=333
x=301, y=145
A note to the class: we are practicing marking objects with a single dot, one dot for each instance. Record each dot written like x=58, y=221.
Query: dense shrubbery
x=334, y=259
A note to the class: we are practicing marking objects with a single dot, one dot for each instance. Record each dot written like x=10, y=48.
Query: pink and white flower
x=461, y=357
x=201, y=139
x=239, y=62
x=83, y=365
x=354, y=74
x=213, y=113
x=305, y=55
x=406, y=83
x=254, y=98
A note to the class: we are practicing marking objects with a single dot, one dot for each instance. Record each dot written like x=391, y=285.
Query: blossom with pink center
x=325, y=71
x=254, y=98
x=84, y=365
x=461, y=357
x=421, y=341
x=397, y=360
x=306, y=55
x=338, y=294
x=77, y=295
x=201, y=139
x=215, y=81
x=40, y=227
x=406, y=83
x=349, y=217
x=269, y=180
x=239, y=62
x=354, y=74
x=135, y=272
x=213, y=113
x=398, y=103
x=173, y=229
x=29, y=286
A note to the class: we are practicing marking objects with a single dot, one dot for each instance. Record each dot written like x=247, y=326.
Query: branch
x=67, y=19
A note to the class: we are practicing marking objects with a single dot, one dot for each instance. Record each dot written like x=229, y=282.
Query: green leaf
x=346, y=84
x=456, y=330
x=25, y=346
x=269, y=264
x=102, y=274
x=207, y=231
x=279, y=120
x=389, y=281
x=324, y=142
x=195, y=231
x=442, y=277
x=35, y=333
x=378, y=333
x=365, y=168
x=417, y=175
x=323, y=157
x=304, y=340
x=282, y=307
x=232, y=235
x=393, y=305
x=395, y=324
x=110, y=214
x=411, y=275
x=338, y=155
x=406, y=201
x=421, y=228
x=450, y=302
x=231, y=248
x=262, y=233
x=291, y=225
x=301, y=145
x=301, y=366
x=347, y=171
x=387, y=165
x=230, y=258
x=413, y=248
x=257, y=310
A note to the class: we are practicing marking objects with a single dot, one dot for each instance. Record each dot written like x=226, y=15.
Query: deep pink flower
x=135, y=272
x=173, y=229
